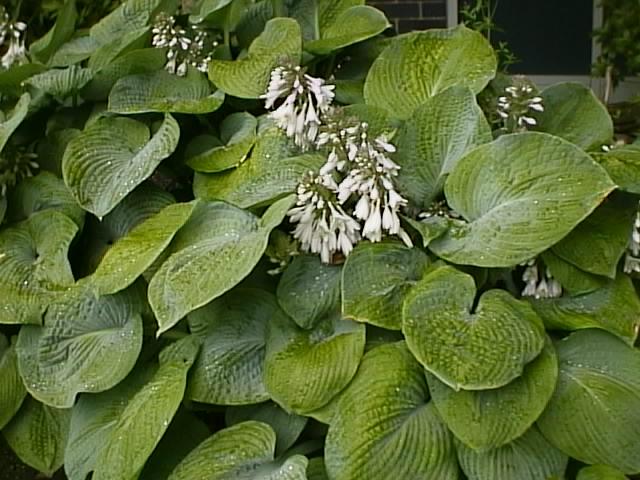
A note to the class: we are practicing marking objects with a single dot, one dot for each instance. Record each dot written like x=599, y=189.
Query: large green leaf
x=464, y=345
x=74, y=51
x=573, y=112
x=594, y=414
x=86, y=344
x=130, y=15
x=218, y=247
x=353, y=25
x=309, y=289
x=375, y=280
x=101, y=172
x=600, y=472
x=206, y=8
x=161, y=91
x=38, y=435
x=105, y=54
x=270, y=172
x=614, y=307
x=281, y=41
x=233, y=331
x=419, y=65
x=623, y=165
x=598, y=243
x=238, y=135
x=134, y=253
x=573, y=280
x=529, y=457
x=33, y=265
x=305, y=369
x=520, y=195
x=384, y=428
x=316, y=469
x=9, y=123
x=242, y=452
x=12, y=391
x=288, y=426
x=63, y=82
x=11, y=80
x=488, y=419
x=147, y=416
x=43, y=48
x=428, y=150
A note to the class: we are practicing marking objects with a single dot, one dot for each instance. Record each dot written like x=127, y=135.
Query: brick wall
x=407, y=15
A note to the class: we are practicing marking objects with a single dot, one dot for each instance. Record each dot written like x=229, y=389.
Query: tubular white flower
x=539, y=285
x=632, y=257
x=14, y=33
x=518, y=104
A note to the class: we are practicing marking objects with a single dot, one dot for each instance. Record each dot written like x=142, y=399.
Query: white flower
x=14, y=32
x=632, y=257
x=539, y=285
x=518, y=105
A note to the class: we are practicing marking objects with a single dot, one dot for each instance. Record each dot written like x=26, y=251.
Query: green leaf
x=244, y=452
x=233, y=331
x=428, y=150
x=100, y=172
x=305, y=369
x=12, y=391
x=330, y=10
x=467, y=346
x=238, y=135
x=597, y=244
x=219, y=246
x=615, y=307
x=248, y=77
x=488, y=419
x=316, y=469
x=429, y=228
x=309, y=289
x=3, y=208
x=86, y=344
x=600, y=472
x=14, y=119
x=61, y=83
x=520, y=194
x=573, y=280
x=132, y=40
x=34, y=266
x=38, y=435
x=529, y=457
x=206, y=8
x=384, y=428
x=354, y=25
x=44, y=48
x=74, y=51
x=44, y=192
x=145, y=419
x=594, y=414
x=375, y=279
x=623, y=165
x=130, y=15
x=573, y=112
x=287, y=426
x=269, y=173
x=161, y=91
x=420, y=65
x=134, y=253
x=11, y=80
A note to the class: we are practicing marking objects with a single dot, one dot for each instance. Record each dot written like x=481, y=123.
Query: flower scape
x=241, y=244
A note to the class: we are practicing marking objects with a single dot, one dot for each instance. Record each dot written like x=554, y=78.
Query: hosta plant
x=264, y=240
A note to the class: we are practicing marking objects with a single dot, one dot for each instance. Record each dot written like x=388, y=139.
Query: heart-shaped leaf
x=161, y=91
x=353, y=25
x=145, y=419
x=600, y=472
x=100, y=172
x=615, y=307
x=86, y=344
x=12, y=391
x=238, y=135
x=384, y=411
x=573, y=112
x=243, y=451
x=623, y=165
x=233, y=331
x=281, y=41
x=488, y=419
x=305, y=369
x=14, y=119
x=529, y=457
x=420, y=65
x=309, y=290
x=520, y=195
x=375, y=280
x=38, y=435
x=487, y=348
x=330, y=10
x=61, y=83
x=429, y=150
x=34, y=266
x=594, y=414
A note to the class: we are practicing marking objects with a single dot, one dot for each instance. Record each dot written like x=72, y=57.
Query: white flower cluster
x=306, y=99
x=632, y=258
x=13, y=33
x=539, y=284
x=186, y=47
x=518, y=105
